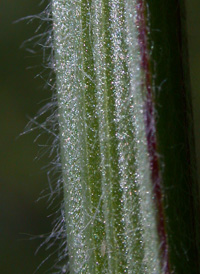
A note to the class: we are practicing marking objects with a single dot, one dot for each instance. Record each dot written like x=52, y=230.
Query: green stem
x=110, y=138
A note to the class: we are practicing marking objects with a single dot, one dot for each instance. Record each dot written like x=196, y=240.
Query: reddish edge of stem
x=150, y=128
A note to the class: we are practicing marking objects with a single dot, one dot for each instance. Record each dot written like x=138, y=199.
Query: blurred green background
x=21, y=177
x=193, y=30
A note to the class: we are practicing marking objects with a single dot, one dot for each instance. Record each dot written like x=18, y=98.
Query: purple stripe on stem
x=149, y=119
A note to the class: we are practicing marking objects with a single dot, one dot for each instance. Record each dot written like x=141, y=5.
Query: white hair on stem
x=45, y=122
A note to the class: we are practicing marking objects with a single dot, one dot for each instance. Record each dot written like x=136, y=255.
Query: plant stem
x=116, y=193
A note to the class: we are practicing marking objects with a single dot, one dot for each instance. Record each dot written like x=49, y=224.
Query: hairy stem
x=116, y=192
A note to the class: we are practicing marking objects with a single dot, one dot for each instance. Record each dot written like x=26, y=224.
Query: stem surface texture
x=109, y=60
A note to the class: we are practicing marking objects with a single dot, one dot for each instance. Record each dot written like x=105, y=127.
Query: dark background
x=21, y=177
x=193, y=28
